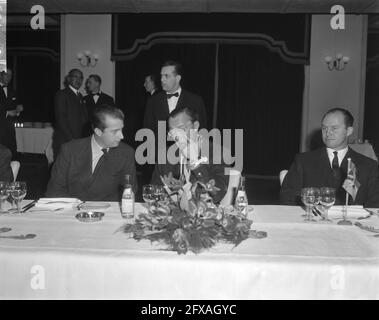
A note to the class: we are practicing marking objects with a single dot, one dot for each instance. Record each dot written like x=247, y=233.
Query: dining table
x=46, y=254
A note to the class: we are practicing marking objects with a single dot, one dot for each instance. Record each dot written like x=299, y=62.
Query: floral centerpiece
x=187, y=220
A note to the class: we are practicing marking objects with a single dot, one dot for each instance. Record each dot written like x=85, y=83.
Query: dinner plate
x=88, y=206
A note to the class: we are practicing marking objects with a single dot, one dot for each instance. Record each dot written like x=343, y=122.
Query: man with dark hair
x=328, y=166
x=5, y=164
x=94, y=168
x=9, y=110
x=70, y=113
x=172, y=97
x=95, y=96
x=151, y=84
x=184, y=125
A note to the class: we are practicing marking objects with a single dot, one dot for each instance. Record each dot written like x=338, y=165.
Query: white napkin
x=55, y=204
x=353, y=212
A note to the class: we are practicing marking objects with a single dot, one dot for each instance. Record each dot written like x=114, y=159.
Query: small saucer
x=90, y=216
x=88, y=206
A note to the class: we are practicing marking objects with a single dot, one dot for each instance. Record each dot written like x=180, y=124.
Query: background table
x=93, y=261
x=35, y=140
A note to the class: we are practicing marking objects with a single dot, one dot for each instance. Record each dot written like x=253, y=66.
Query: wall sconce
x=87, y=59
x=338, y=63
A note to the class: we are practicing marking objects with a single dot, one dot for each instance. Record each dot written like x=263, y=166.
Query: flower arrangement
x=191, y=222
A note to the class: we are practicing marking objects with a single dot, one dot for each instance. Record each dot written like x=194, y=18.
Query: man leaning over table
x=327, y=166
x=94, y=168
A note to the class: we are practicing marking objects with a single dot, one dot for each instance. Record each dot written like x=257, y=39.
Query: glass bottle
x=127, y=200
x=241, y=198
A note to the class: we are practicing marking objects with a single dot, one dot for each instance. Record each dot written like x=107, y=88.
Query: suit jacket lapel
x=165, y=111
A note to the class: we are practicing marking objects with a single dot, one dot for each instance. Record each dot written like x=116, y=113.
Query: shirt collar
x=96, y=148
x=340, y=154
x=73, y=89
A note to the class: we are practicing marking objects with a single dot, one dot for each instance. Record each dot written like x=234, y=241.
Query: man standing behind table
x=327, y=166
x=9, y=110
x=151, y=85
x=172, y=97
x=94, y=168
x=70, y=112
x=95, y=96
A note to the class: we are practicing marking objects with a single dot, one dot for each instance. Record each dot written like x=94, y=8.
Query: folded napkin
x=353, y=212
x=55, y=204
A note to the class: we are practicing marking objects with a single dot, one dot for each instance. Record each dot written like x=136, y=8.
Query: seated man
x=94, y=168
x=183, y=125
x=327, y=167
x=5, y=164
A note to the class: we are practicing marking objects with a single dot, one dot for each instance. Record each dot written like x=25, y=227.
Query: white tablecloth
x=69, y=259
x=35, y=140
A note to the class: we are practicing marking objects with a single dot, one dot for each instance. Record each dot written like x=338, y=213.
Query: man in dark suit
x=184, y=125
x=70, y=113
x=94, y=168
x=95, y=96
x=9, y=110
x=172, y=97
x=327, y=167
x=5, y=167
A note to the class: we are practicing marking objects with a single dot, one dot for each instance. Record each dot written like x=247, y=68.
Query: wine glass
x=148, y=194
x=310, y=197
x=327, y=200
x=18, y=193
x=160, y=195
x=4, y=194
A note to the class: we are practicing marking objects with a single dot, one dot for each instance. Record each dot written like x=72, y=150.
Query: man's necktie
x=95, y=94
x=335, y=164
x=101, y=159
x=170, y=95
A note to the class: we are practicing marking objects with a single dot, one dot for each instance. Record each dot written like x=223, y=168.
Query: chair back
x=234, y=180
x=282, y=175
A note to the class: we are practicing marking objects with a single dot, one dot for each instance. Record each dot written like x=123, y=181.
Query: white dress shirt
x=97, y=152
x=96, y=97
x=340, y=154
x=73, y=89
x=173, y=101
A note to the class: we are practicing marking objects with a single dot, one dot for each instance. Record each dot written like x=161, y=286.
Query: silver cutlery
x=20, y=237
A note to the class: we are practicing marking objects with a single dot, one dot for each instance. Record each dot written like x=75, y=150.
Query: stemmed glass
x=18, y=193
x=310, y=197
x=4, y=194
x=327, y=200
x=148, y=191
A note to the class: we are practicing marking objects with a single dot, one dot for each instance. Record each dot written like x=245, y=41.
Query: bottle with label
x=127, y=201
x=241, y=198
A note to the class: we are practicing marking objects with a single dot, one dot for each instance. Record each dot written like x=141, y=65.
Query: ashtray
x=90, y=216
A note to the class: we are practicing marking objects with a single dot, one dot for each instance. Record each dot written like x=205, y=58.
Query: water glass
x=148, y=194
x=327, y=200
x=18, y=193
x=310, y=197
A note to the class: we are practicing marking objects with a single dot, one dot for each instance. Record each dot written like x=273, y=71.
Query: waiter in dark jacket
x=9, y=110
x=70, y=112
x=95, y=96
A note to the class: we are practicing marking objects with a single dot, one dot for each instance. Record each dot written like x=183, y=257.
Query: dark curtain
x=198, y=77
x=34, y=58
x=37, y=81
x=262, y=94
x=371, y=114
